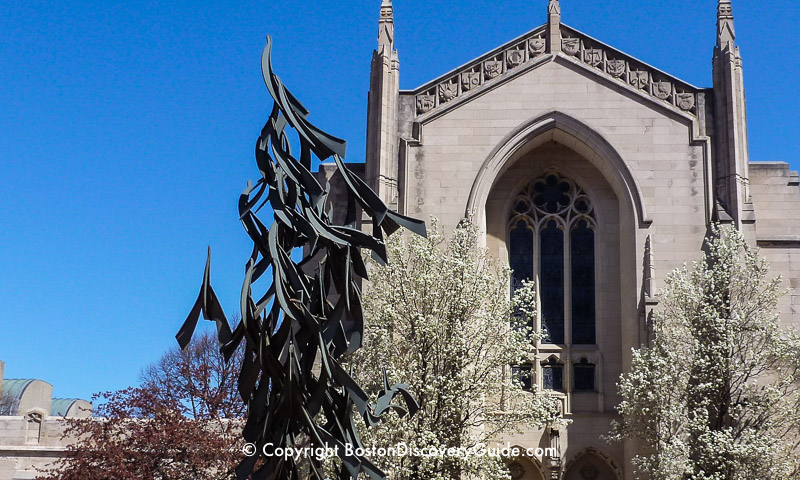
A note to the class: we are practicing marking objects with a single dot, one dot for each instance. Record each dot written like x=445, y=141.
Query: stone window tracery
x=551, y=240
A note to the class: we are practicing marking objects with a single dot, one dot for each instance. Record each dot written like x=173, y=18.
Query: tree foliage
x=439, y=318
x=182, y=423
x=200, y=378
x=715, y=395
x=8, y=404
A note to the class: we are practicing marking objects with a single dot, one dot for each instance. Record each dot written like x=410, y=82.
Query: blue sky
x=127, y=133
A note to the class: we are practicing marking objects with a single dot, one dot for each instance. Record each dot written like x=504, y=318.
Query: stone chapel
x=593, y=173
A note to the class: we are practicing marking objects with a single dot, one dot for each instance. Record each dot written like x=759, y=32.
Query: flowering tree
x=439, y=318
x=181, y=424
x=715, y=395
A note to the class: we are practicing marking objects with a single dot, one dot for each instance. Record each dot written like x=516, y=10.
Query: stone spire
x=725, y=32
x=732, y=161
x=554, y=26
x=386, y=27
x=381, y=169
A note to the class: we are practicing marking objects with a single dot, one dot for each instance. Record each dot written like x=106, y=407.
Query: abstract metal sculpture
x=311, y=313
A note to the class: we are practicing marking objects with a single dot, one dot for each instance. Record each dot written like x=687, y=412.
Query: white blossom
x=438, y=317
x=715, y=394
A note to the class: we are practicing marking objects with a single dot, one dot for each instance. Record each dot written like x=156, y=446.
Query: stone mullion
x=537, y=274
x=567, y=356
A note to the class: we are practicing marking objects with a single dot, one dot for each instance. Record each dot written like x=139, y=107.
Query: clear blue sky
x=127, y=132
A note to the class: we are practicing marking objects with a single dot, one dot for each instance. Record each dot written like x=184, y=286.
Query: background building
x=31, y=429
x=594, y=174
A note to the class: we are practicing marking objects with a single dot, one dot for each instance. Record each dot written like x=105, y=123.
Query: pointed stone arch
x=561, y=128
x=525, y=467
x=592, y=463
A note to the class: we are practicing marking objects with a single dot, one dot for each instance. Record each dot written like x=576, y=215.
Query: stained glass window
x=550, y=194
x=551, y=240
x=520, y=254
x=521, y=263
x=551, y=282
x=583, y=305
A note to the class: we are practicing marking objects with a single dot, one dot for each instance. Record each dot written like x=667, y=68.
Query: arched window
x=551, y=240
x=552, y=375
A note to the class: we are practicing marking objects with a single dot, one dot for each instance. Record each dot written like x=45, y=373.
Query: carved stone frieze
x=616, y=68
x=662, y=90
x=593, y=56
x=492, y=68
x=470, y=80
x=571, y=46
x=686, y=101
x=425, y=103
x=514, y=58
x=640, y=79
x=447, y=92
x=536, y=46
x=485, y=69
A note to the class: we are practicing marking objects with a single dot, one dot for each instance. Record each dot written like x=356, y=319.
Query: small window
x=524, y=375
x=552, y=375
x=584, y=376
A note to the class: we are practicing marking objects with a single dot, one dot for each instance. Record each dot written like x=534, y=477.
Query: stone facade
x=658, y=158
x=31, y=426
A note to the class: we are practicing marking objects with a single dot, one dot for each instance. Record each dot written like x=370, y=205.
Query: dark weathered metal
x=310, y=314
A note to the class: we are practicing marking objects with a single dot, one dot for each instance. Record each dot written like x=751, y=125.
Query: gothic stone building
x=594, y=174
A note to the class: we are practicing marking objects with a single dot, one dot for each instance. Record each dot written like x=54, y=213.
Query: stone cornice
x=531, y=48
x=487, y=68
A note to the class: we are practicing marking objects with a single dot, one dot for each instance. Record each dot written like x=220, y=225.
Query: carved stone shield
x=470, y=80
x=589, y=472
x=662, y=90
x=593, y=56
x=536, y=46
x=515, y=57
x=492, y=68
x=571, y=46
x=616, y=68
x=685, y=101
x=425, y=103
x=639, y=79
x=447, y=92
x=517, y=471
